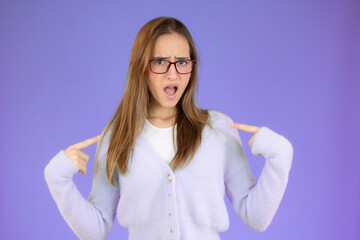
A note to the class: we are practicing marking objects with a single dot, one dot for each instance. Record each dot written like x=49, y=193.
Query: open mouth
x=170, y=91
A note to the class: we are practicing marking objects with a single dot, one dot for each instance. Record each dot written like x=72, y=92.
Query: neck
x=161, y=116
x=162, y=113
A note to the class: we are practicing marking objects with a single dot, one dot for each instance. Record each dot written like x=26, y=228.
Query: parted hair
x=130, y=115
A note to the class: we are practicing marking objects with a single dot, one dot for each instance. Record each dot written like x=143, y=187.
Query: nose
x=172, y=73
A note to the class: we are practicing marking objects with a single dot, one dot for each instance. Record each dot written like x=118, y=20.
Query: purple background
x=292, y=66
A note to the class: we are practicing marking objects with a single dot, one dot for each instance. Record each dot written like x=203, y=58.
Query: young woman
x=163, y=165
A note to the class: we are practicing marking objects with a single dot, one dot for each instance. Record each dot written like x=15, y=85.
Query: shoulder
x=104, y=143
x=221, y=127
x=218, y=118
x=221, y=123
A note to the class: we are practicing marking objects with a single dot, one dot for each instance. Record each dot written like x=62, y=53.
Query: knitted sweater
x=154, y=202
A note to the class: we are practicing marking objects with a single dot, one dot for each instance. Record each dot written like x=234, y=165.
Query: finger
x=83, y=171
x=87, y=142
x=83, y=155
x=82, y=168
x=244, y=127
x=252, y=139
x=77, y=159
x=76, y=152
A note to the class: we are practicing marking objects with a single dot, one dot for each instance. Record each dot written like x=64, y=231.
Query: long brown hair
x=129, y=117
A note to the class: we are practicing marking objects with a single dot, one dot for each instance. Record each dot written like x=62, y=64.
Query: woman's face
x=171, y=47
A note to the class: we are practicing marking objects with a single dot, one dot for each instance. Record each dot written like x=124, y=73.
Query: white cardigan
x=154, y=202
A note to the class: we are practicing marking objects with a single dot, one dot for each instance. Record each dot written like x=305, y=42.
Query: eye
x=159, y=62
x=183, y=62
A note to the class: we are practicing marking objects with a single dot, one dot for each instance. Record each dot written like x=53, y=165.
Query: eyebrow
x=182, y=58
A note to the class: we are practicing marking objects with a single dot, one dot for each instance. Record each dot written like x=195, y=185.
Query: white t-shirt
x=160, y=139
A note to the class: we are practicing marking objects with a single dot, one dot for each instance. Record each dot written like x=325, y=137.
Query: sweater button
x=169, y=177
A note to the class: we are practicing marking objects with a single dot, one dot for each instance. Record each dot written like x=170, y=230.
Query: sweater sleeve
x=257, y=203
x=89, y=219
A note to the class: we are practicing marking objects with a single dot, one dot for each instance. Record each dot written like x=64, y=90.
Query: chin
x=170, y=105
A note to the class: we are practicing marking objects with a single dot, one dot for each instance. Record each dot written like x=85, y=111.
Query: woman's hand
x=79, y=158
x=247, y=128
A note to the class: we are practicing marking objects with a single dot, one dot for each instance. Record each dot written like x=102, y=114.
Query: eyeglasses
x=160, y=66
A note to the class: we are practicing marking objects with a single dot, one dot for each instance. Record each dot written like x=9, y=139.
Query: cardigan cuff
x=263, y=141
x=62, y=166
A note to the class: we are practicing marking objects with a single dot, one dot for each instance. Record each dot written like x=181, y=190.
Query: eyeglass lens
x=162, y=66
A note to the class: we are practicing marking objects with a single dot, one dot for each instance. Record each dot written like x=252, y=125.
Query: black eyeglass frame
x=155, y=59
